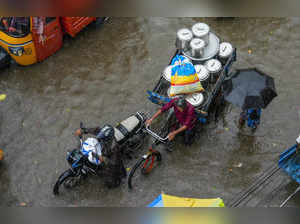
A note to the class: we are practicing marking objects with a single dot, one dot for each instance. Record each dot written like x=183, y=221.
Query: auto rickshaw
x=28, y=40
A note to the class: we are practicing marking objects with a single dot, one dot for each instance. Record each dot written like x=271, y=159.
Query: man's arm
x=172, y=134
x=93, y=131
x=148, y=122
x=163, y=109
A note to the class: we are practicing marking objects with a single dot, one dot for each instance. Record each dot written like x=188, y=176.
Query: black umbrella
x=250, y=88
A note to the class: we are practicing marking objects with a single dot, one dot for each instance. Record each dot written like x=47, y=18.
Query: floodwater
x=102, y=75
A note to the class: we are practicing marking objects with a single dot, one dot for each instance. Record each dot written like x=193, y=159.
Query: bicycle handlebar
x=156, y=136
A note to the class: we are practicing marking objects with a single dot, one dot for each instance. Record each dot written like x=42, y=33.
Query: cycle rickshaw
x=159, y=96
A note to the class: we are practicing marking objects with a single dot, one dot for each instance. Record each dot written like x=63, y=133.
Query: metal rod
x=256, y=185
x=289, y=197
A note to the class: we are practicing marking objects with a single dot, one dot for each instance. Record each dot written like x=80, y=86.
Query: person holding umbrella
x=251, y=90
x=252, y=116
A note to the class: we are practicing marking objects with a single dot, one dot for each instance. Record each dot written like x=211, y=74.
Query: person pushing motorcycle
x=111, y=154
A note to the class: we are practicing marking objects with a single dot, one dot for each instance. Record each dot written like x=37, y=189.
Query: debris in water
x=239, y=165
x=2, y=97
x=23, y=204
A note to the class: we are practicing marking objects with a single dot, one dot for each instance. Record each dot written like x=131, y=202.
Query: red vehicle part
x=51, y=38
x=73, y=25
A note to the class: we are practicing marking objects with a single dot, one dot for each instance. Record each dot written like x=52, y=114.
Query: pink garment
x=187, y=117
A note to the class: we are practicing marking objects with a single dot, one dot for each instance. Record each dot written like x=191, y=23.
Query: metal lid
x=213, y=65
x=168, y=73
x=195, y=99
x=202, y=72
x=225, y=50
x=185, y=34
x=197, y=43
x=209, y=51
x=200, y=29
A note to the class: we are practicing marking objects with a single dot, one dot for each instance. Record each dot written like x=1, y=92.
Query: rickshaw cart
x=212, y=94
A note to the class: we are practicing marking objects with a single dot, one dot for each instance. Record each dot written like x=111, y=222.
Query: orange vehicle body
x=43, y=37
x=54, y=32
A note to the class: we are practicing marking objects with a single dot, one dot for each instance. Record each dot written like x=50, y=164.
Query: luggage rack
x=212, y=92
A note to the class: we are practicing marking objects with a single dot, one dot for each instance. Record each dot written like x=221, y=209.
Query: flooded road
x=102, y=75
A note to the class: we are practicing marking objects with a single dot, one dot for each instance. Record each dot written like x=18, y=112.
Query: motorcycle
x=85, y=160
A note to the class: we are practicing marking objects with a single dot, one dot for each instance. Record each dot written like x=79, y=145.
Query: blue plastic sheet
x=158, y=99
x=289, y=161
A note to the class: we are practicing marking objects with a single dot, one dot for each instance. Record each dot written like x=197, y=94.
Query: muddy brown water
x=101, y=77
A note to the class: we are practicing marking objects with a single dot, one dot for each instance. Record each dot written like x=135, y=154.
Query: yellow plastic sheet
x=173, y=201
x=2, y=97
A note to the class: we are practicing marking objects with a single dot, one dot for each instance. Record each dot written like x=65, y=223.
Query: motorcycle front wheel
x=68, y=178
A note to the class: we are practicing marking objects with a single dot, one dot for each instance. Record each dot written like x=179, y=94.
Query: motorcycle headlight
x=18, y=51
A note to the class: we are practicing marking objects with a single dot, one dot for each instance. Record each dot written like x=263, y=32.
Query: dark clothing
x=186, y=117
x=252, y=116
x=188, y=135
x=114, y=167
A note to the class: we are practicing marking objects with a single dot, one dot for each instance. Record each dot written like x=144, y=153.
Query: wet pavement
x=101, y=77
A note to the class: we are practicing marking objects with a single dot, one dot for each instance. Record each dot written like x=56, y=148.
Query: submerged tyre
x=4, y=59
x=134, y=174
x=141, y=169
x=64, y=177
